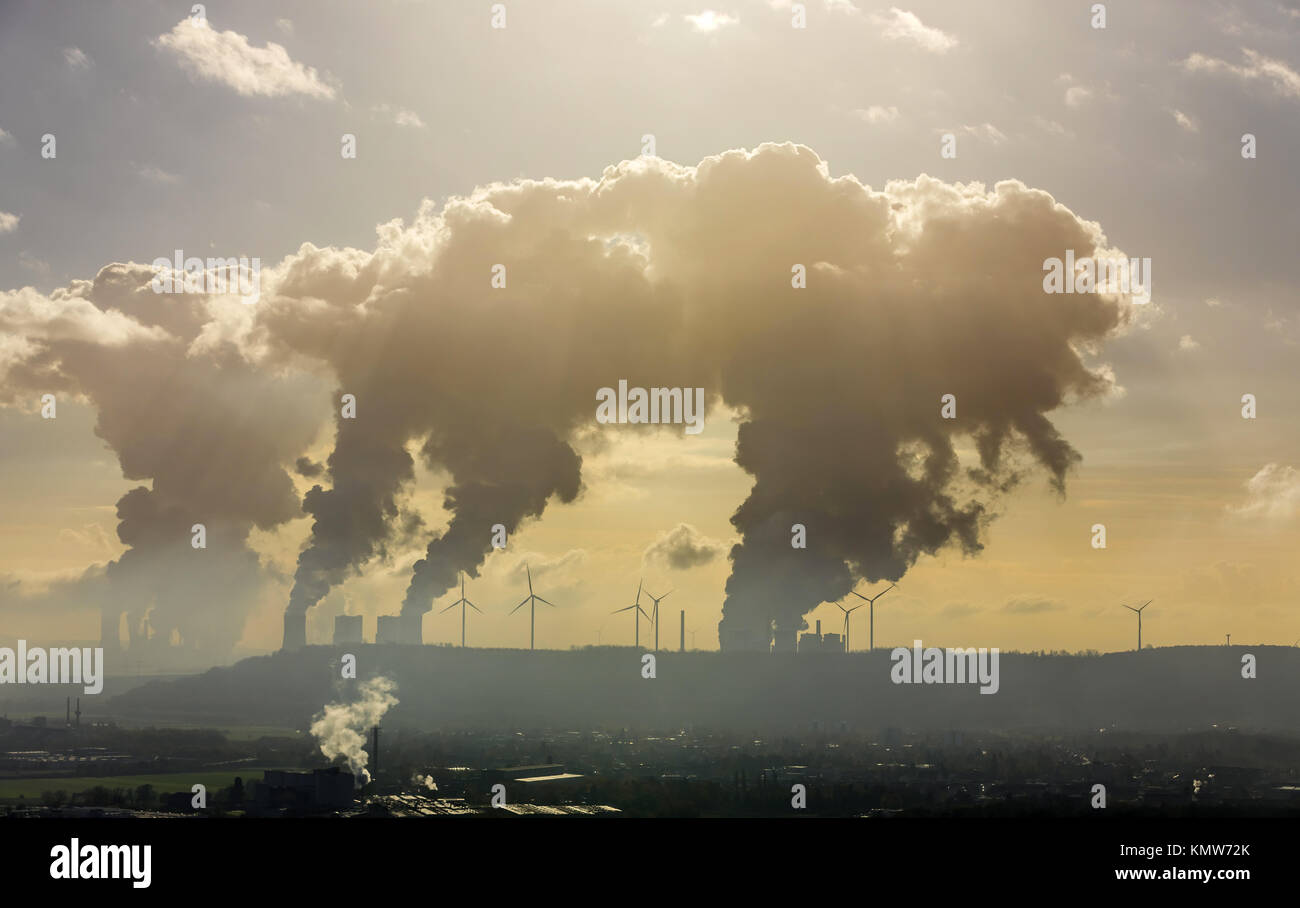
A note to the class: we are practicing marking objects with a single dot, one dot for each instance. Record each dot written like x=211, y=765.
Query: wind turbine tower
x=531, y=601
x=462, y=602
x=636, y=615
x=654, y=614
x=1138, y=612
x=847, y=612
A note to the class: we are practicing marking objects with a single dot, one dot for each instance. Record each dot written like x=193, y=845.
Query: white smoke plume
x=341, y=728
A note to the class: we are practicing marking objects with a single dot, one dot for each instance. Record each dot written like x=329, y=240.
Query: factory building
x=817, y=642
x=303, y=792
x=407, y=628
x=347, y=629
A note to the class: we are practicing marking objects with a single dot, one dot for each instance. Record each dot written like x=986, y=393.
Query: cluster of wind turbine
x=871, y=601
x=637, y=612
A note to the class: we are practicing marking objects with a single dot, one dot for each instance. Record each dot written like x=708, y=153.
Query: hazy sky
x=226, y=142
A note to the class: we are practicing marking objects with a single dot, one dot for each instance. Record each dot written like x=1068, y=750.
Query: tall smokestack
x=295, y=631
x=682, y=646
x=374, y=754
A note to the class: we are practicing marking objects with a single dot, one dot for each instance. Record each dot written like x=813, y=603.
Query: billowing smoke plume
x=501, y=480
x=666, y=276
x=681, y=277
x=341, y=727
x=188, y=413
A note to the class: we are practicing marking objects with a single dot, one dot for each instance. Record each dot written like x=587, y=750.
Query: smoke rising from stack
x=341, y=727
x=668, y=276
x=185, y=411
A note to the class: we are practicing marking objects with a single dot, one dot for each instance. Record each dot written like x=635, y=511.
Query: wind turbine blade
x=639, y=584
x=529, y=571
x=520, y=605
x=449, y=608
x=859, y=595
x=628, y=609
x=540, y=599
x=473, y=606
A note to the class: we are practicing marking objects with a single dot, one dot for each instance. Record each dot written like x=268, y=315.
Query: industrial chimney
x=295, y=631
x=374, y=755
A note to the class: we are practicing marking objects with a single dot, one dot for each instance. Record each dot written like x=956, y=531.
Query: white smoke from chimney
x=341, y=727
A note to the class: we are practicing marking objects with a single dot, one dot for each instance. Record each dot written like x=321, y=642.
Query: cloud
x=9, y=222
x=833, y=6
x=1076, y=95
x=1272, y=495
x=684, y=547
x=76, y=59
x=228, y=59
x=901, y=25
x=400, y=115
x=1257, y=67
x=7, y=138
x=1050, y=126
x=985, y=131
x=1185, y=121
x=710, y=21
x=560, y=568
x=1031, y=606
x=1188, y=343
x=157, y=175
x=877, y=115
x=32, y=263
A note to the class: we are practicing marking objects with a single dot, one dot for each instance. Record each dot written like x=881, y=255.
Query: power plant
x=817, y=642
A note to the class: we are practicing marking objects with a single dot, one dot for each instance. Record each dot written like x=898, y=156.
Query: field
x=29, y=789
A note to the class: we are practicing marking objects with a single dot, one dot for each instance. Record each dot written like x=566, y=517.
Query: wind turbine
x=636, y=615
x=654, y=614
x=847, y=612
x=532, y=609
x=462, y=602
x=1138, y=611
x=872, y=611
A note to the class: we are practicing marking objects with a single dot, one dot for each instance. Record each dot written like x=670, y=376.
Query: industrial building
x=303, y=792
x=347, y=629
x=817, y=642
